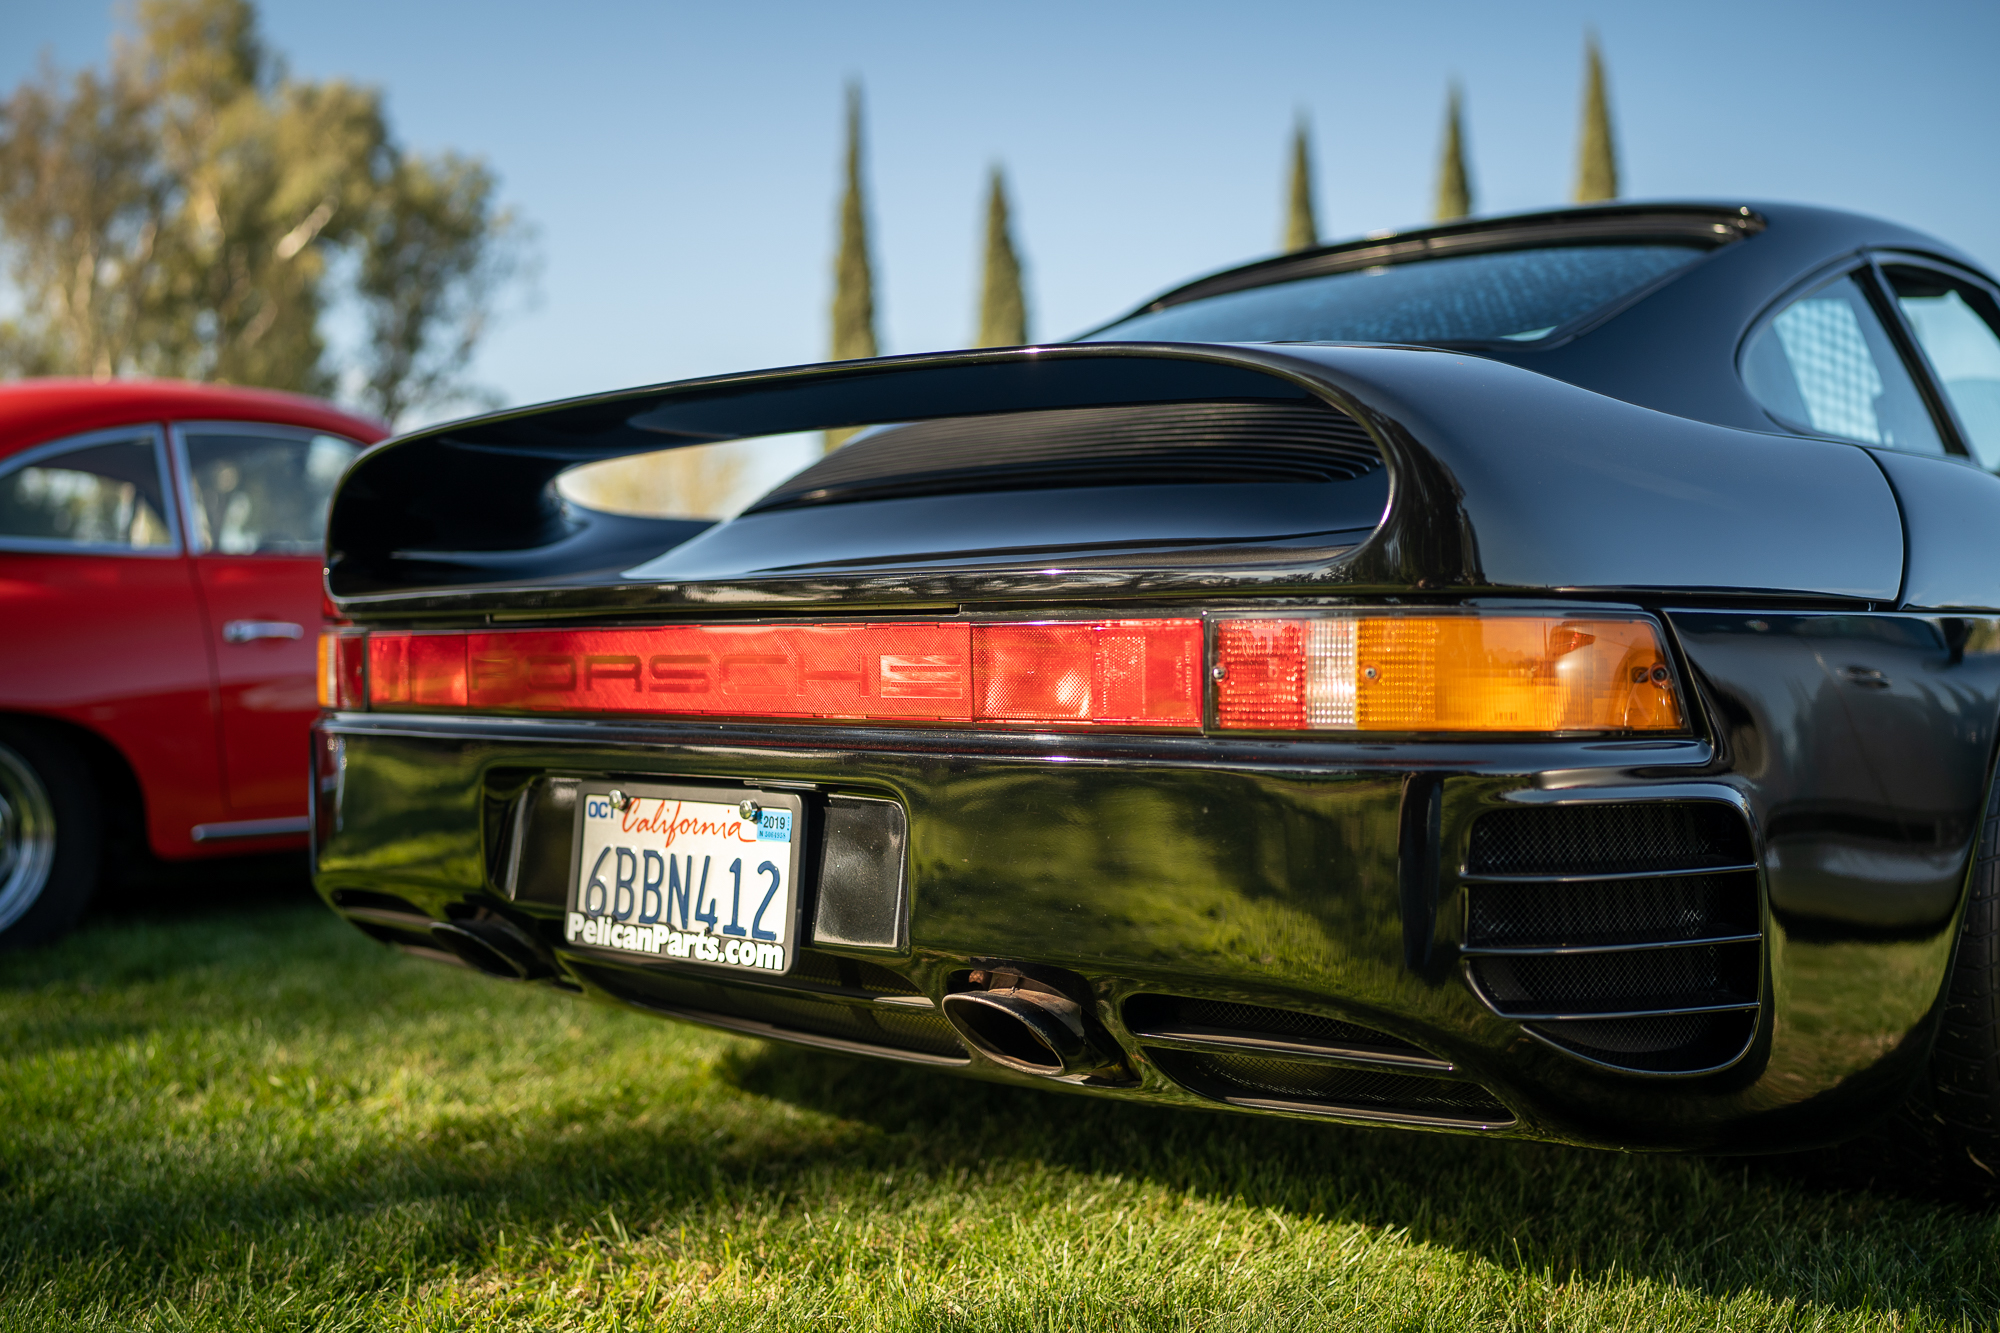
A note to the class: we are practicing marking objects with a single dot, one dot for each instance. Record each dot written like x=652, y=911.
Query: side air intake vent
x=1288, y=1060
x=1627, y=934
x=1194, y=444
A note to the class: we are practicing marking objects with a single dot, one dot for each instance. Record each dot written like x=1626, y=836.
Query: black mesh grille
x=849, y=974
x=1327, y=1086
x=823, y=968
x=1612, y=982
x=1614, y=839
x=1607, y=839
x=1627, y=911
x=1146, y=1013
x=1150, y=444
x=917, y=1031
x=882, y=981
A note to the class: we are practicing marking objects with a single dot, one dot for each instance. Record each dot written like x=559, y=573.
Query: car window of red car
x=93, y=494
x=1954, y=323
x=262, y=490
x=1824, y=365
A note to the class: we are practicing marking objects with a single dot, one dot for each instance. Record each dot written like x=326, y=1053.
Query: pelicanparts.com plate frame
x=601, y=788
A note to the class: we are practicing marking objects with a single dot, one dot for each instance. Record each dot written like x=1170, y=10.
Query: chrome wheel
x=27, y=837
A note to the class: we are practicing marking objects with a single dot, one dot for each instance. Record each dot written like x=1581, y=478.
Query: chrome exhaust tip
x=497, y=948
x=1031, y=1027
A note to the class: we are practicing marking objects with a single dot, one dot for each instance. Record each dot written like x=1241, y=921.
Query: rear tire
x=1965, y=1062
x=49, y=837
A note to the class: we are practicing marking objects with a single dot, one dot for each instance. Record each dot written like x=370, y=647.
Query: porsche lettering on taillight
x=1412, y=673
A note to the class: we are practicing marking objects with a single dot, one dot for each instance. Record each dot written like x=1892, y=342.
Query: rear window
x=1508, y=296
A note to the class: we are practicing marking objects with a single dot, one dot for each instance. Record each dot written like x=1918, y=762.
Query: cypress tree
x=1597, y=156
x=1003, y=307
x=1301, y=227
x=1454, y=188
x=853, y=277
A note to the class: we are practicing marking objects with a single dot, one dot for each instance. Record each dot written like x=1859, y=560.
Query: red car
x=160, y=593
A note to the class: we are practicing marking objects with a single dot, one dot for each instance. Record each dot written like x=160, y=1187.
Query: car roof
x=34, y=411
x=1797, y=228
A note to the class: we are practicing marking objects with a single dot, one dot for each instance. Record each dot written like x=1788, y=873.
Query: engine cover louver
x=1625, y=933
x=1202, y=444
x=1269, y=1059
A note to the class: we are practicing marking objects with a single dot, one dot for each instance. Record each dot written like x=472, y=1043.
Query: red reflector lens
x=1116, y=671
x=1260, y=668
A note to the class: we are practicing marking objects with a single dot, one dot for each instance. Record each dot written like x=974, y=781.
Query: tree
x=435, y=249
x=853, y=276
x=1454, y=187
x=270, y=177
x=1003, y=307
x=1301, y=227
x=1597, y=154
x=183, y=214
x=82, y=203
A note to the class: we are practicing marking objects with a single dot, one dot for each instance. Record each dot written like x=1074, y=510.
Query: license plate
x=690, y=874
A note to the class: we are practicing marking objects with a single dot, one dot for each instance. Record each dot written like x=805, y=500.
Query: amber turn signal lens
x=340, y=666
x=1444, y=673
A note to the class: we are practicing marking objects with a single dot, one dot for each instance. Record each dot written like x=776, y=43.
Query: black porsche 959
x=1536, y=677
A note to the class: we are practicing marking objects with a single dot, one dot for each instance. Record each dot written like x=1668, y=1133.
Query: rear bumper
x=1326, y=880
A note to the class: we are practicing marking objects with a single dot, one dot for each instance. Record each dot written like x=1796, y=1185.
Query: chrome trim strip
x=1550, y=1041
x=753, y=1028
x=1230, y=1042
x=1733, y=1007
x=251, y=828
x=1556, y=950
x=1357, y=1113
x=1679, y=872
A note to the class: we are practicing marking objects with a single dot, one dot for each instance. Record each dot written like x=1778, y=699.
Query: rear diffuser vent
x=1627, y=934
x=824, y=1001
x=1197, y=444
x=1290, y=1060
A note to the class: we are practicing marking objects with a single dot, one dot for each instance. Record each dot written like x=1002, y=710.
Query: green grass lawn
x=245, y=1116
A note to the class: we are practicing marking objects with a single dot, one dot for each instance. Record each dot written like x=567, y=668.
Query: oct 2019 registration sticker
x=694, y=874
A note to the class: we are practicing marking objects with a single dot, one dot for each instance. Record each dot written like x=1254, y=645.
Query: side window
x=106, y=494
x=1954, y=323
x=1825, y=365
x=262, y=494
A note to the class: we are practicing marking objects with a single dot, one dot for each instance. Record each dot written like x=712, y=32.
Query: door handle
x=249, y=631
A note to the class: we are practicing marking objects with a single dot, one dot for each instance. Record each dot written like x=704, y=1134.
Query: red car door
x=101, y=618
x=256, y=497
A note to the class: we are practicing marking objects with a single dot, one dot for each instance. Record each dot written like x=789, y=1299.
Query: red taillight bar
x=1143, y=673
x=1408, y=671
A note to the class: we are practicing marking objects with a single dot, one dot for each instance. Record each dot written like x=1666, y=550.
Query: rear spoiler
x=1499, y=480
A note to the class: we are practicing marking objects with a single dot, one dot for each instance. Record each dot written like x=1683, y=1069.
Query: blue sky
x=681, y=162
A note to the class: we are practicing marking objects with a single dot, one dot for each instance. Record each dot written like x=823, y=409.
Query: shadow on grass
x=179, y=890
x=1716, y=1229
x=769, y=1128
x=1723, y=1227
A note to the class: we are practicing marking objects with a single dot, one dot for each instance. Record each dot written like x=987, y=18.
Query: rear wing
x=1492, y=479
